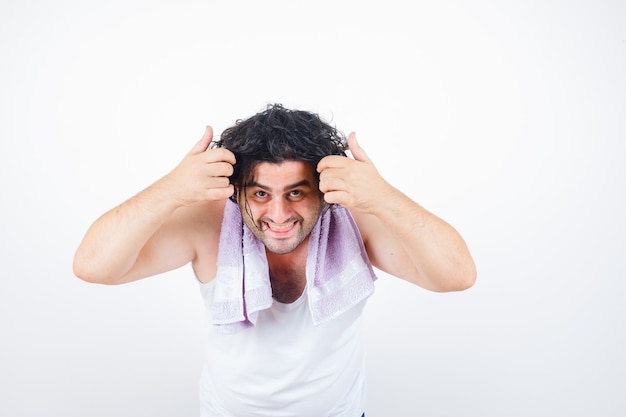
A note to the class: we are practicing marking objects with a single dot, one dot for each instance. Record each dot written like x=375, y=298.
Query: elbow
x=86, y=272
x=469, y=279
x=460, y=279
x=464, y=274
x=465, y=277
x=83, y=273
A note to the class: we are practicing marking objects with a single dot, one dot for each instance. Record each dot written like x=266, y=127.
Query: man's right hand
x=163, y=227
x=202, y=175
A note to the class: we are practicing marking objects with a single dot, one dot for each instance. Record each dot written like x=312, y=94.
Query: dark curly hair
x=278, y=134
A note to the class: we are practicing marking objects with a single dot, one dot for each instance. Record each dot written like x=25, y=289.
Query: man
x=280, y=228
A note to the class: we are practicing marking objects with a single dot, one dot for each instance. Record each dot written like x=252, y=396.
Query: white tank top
x=285, y=366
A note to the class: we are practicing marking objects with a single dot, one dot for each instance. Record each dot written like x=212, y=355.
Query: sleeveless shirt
x=285, y=366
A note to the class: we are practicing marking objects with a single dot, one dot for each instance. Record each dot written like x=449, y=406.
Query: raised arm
x=161, y=227
x=401, y=237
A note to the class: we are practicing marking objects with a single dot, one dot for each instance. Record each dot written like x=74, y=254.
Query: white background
x=507, y=119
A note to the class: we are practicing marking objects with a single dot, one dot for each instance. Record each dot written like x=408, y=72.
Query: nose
x=279, y=210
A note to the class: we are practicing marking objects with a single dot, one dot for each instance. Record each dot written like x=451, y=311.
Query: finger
x=221, y=169
x=337, y=197
x=331, y=161
x=218, y=182
x=331, y=183
x=220, y=155
x=221, y=193
x=355, y=149
x=204, y=143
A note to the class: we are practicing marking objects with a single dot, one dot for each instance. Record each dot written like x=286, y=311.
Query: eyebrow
x=305, y=183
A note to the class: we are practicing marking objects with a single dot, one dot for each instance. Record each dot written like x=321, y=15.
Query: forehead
x=278, y=175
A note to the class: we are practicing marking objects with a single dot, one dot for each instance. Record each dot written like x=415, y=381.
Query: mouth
x=280, y=229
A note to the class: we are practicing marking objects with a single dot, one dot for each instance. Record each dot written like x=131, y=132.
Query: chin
x=282, y=247
x=280, y=250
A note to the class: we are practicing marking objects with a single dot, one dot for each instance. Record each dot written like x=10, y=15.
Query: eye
x=296, y=195
x=260, y=194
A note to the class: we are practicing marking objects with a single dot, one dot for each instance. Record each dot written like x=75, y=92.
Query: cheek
x=249, y=211
x=313, y=209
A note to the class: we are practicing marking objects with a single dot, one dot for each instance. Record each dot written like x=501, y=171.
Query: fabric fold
x=339, y=274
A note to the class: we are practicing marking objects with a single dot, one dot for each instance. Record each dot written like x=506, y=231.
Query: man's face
x=281, y=204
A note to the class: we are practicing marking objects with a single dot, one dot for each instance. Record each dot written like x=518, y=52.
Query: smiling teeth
x=278, y=228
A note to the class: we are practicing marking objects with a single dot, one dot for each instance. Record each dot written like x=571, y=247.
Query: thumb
x=204, y=143
x=355, y=149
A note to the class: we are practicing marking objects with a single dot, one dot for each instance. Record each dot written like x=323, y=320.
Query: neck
x=288, y=273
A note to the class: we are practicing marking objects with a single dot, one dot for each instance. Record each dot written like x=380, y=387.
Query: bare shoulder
x=204, y=223
x=367, y=224
x=382, y=247
x=207, y=215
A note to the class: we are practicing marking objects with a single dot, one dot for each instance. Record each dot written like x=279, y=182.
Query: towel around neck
x=338, y=271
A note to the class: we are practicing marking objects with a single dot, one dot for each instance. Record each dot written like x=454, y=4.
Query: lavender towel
x=339, y=274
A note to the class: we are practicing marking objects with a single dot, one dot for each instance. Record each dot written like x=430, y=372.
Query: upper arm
x=385, y=250
x=191, y=233
x=429, y=253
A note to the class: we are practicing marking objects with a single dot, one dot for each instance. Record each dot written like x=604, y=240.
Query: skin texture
x=281, y=204
x=177, y=220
